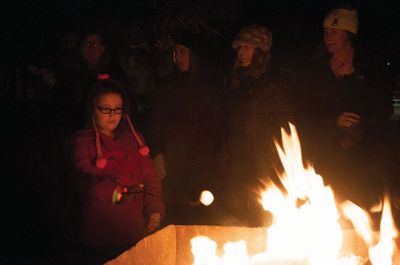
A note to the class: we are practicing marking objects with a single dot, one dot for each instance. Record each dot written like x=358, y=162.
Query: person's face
x=336, y=40
x=244, y=54
x=108, y=111
x=92, y=49
x=182, y=57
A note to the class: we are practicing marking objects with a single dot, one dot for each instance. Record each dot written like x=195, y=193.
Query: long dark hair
x=102, y=87
x=260, y=64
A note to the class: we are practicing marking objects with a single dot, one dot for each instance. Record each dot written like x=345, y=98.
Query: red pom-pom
x=144, y=150
x=103, y=76
x=101, y=162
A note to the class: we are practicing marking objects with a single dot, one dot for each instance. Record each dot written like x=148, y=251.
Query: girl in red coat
x=122, y=197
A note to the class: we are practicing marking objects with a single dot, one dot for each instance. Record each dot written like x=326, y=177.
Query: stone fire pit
x=171, y=245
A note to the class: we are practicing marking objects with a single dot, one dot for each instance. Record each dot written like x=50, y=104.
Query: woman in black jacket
x=346, y=106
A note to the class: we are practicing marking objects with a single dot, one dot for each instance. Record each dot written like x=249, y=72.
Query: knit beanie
x=341, y=18
x=254, y=35
x=186, y=39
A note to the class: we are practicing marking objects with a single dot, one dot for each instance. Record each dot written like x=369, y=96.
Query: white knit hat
x=342, y=19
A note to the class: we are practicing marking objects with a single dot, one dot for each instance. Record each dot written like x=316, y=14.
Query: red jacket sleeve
x=83, y=154
x=153, y=201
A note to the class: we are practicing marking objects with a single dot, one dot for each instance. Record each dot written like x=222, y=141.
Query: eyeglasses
x=91, y=44
x=107, y=110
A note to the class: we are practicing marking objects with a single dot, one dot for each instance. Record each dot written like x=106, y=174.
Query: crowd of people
x=136, y=159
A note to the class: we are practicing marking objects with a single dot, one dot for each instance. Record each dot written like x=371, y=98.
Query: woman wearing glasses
x=121, y=195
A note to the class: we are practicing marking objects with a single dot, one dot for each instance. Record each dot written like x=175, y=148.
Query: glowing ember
x=206, y=198
x=305, y=228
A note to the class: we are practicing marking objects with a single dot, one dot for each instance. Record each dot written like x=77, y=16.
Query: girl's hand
x=154, y=222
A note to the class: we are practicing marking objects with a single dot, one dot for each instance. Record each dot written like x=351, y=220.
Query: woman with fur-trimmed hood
x=259, y=103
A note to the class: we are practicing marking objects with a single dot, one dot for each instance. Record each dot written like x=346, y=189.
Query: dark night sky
x=42, y=17
x=32, y=23
x=295, y=24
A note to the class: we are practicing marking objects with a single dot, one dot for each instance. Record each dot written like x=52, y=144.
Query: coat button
x=111, y=158
x=127, y=156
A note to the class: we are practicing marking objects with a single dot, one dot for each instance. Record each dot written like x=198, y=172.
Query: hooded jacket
x=186, y=126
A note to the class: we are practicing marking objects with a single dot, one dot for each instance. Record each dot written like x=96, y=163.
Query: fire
x=306, y=227
x=382, y=250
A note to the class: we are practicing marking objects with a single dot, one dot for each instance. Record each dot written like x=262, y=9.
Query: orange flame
x=306, y=234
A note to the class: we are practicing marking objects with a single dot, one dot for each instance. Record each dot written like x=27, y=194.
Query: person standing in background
x=186, y=126
x=74, y=79
x=346, y=105
x=260, y=102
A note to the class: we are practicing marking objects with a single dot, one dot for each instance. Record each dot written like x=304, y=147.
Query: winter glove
x=154, y=222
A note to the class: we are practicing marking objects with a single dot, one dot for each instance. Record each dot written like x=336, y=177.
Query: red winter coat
x=106, y=224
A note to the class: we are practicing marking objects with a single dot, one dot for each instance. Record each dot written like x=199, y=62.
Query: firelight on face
x=107, y=123
x=336, y=40
x=245, y=54
x=92, y=49
x=182, y=57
